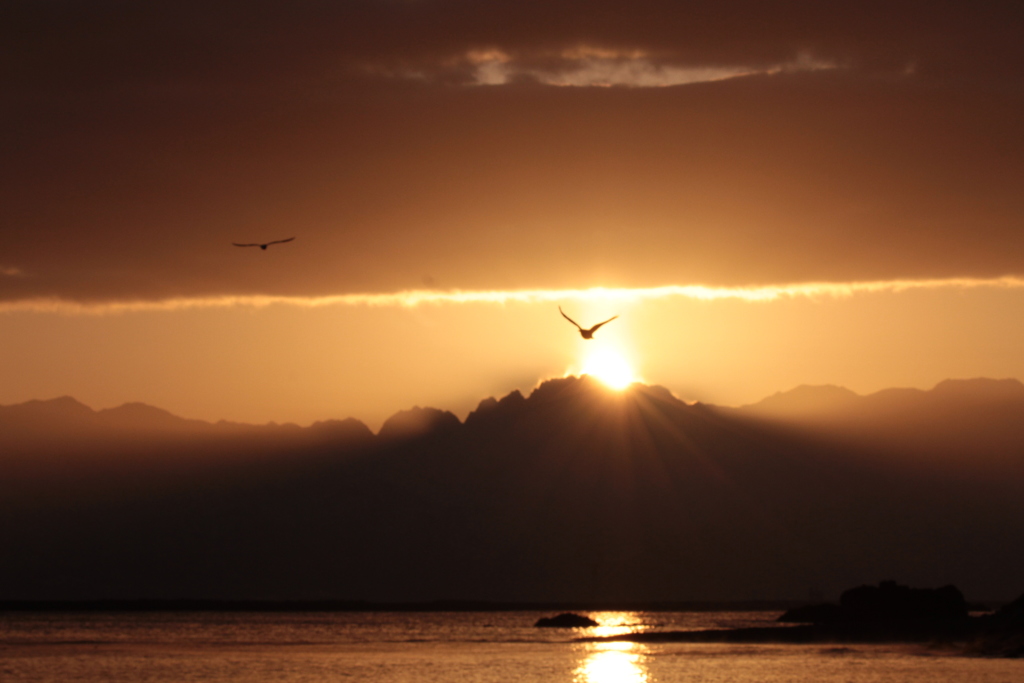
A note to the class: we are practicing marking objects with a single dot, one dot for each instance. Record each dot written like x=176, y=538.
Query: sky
x=767, y=194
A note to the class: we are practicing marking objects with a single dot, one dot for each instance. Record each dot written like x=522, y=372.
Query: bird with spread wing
x=264, y=245
x=588, y=333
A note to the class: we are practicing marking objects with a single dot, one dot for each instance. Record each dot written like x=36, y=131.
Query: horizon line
x=412, y=298
x=525, y=393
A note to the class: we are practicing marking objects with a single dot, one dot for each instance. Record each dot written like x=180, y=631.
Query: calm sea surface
x=474, y=646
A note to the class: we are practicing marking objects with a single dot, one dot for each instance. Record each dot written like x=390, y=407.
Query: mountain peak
x=349, y=429
x=140, y=416
x=41, y=414
x=492, y=407
x=63, y=404
x=806, y=400
x=980, y=388
x=411, y=423
x=571, y=385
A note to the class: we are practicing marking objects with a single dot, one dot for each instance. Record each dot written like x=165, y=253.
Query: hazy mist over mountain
x=575, y=492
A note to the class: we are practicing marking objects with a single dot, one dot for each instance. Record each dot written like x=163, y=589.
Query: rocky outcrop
x=890, y=601
x=1002, y=633
x=889, y=612
x=885, y=603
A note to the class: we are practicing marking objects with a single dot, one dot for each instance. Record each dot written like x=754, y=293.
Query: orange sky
x=506, y=146
x=289, y=363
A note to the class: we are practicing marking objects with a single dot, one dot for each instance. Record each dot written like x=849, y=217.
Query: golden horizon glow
x=304, y=364
x=418, y=297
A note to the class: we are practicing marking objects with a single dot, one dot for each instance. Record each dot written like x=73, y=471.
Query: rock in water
x=566, y=620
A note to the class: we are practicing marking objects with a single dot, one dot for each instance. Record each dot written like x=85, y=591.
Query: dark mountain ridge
x=814, y=401
x=804, y=404
x=957, y=424
x=574, y=493
x=64, y=425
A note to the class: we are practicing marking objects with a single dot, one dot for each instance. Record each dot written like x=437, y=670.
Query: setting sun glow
x=610, y=367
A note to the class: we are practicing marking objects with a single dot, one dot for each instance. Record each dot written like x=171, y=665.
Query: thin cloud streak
x=642, y=73
x=588, y=66
x=419, y=297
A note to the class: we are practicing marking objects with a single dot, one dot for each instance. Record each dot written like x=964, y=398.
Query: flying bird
x=265, y=245
x=586, y=334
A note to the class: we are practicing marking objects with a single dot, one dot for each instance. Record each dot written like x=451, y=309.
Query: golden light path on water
x=414, y=298
x=613, y=662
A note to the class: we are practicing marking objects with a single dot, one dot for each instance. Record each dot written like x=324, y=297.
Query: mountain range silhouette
x=573, y=493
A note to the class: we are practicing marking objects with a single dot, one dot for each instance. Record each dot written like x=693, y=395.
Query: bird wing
x=594, y=328
x=280, y=241
x=244, y=245
x=568, y=318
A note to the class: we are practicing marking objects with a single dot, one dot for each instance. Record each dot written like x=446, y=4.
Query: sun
x=610, y=368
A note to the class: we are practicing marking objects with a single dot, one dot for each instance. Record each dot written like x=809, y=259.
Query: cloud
x=11, y=271
x=418, y=297
x=102, y=44
x=592, y=66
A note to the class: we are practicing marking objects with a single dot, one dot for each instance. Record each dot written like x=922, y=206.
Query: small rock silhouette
x=566, y=620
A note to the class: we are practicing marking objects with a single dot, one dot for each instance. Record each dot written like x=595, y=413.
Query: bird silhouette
x=265, y=245
x=586, y=334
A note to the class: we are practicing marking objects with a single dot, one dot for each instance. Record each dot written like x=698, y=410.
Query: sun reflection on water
x=616, y=624
x=613, y=662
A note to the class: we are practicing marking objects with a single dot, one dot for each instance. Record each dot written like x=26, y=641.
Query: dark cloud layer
x=139, y=141
x=110, y=41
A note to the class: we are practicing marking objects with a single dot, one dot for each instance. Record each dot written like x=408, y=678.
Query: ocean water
x=470, y=647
